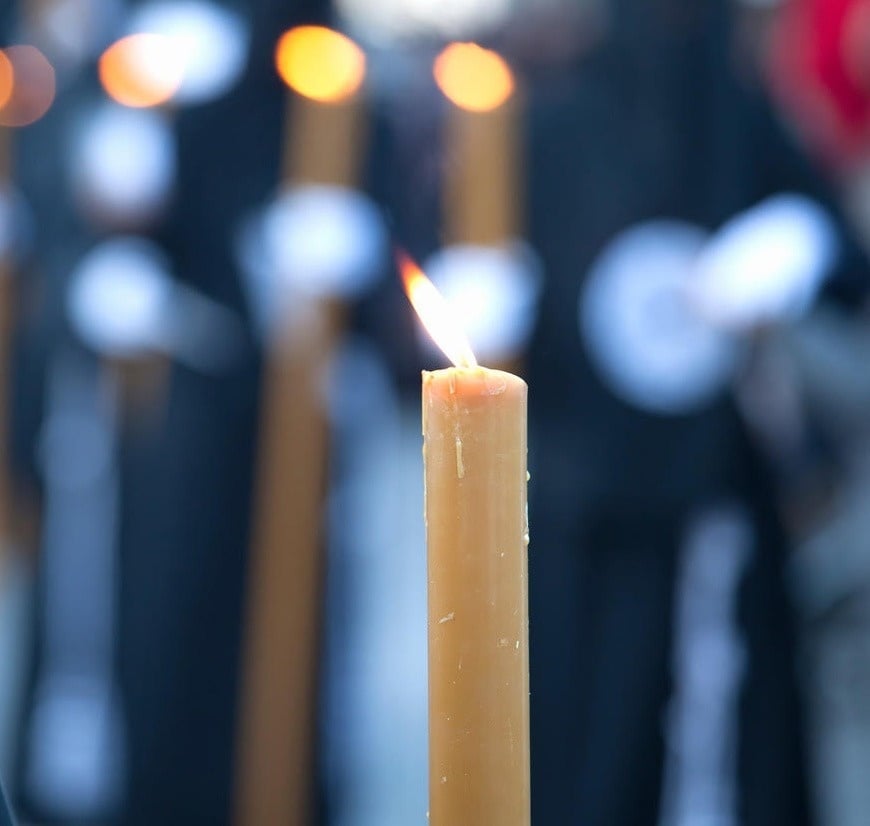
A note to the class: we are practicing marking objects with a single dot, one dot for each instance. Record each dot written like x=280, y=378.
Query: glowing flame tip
x=435, y=313
x=320, y=63
x=473, y=78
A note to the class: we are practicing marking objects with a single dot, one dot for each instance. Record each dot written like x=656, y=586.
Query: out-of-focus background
x=656, y=211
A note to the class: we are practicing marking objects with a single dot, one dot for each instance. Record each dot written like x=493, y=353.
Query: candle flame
x=435, y=314
x=472, y=77
x=7, y=79
x=320, y=63
x=141, y=70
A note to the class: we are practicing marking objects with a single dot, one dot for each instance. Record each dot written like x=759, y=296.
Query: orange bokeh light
x=141, y=70
x=27, y=85
x=435, y=314
x=7, y=75
x=472, y=77
x=320, y=63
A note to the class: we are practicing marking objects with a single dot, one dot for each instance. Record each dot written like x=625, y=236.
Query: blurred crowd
x=656, y=211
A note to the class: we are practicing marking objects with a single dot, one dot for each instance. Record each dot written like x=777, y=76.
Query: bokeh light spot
x=319, y=63
x=141, y=70
x=32, y=86
x=6, y=79
x=472, y=77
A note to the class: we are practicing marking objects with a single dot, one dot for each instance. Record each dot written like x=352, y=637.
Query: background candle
x=324, y=71
x=482, y=188
x=27, y=87
x=474, y=444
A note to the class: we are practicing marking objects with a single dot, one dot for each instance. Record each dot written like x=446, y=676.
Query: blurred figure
x=662, y=123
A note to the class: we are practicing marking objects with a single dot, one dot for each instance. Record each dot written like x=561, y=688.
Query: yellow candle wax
x=474, y=431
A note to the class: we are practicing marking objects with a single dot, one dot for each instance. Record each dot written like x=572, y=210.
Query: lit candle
x=324, y=71
x=482, y=198
x=6, y=298
x=474, y=443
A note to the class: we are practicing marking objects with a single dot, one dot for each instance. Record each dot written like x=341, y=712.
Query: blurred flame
x=435, y=314
x=320, y=63
x=141, y=70
x=6, y=79
x=472, y=77
x=27, y=85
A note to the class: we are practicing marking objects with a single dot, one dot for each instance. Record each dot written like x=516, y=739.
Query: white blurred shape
x=708, y=664
x=16, y=639
x=119, y=297
x=494, y=293
x=123, y=302
x=387, y=19
x=75, y=450
x=212, y=40
x=642, y=334
x=15, y=221
x=203, y=334
x=77, y=743
x=75, y=29
x=319, y=241
x=123, y=164
x=75, y=750
x=7, y=222
x=766, y=264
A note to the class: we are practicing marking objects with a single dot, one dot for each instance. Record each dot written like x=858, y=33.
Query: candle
x=482, y=145
x=474, y=444
x=324, y=71
x=26, y=93
x=6, y=503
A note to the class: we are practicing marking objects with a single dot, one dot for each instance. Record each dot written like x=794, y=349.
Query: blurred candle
x=324, y=71
x=6, y=505
x=6, y=88
x=27, y=89
x=482, y=198
x=324, y=130
x=474, y=447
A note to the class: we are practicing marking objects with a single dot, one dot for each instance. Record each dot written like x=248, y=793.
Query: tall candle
x=324, y=71
x=6, y=329
x=474, y=444
x=482, y=187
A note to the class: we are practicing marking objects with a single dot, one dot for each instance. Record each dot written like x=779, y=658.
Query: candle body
x=474, y=429
x=325, y=141
x=483, y=192
x=276, y=767
x=279, y=709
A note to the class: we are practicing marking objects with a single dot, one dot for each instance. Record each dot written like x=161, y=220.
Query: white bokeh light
x=494, y=292
x=766, y=264
x=213, y=42
x=384, y=20
x=120, y=297
x=74, y=30
x=318, y=241
x=123, y=165
x=642, y=333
